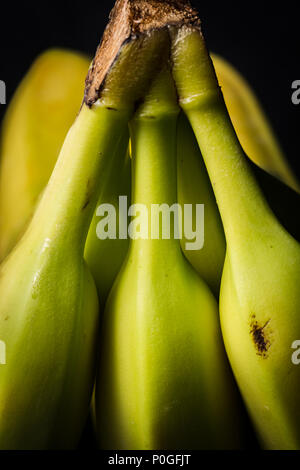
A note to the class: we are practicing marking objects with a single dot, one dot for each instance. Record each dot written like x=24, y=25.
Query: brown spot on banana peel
x=131, y=19
x=88, y=194
x=85, y=204
x=260, y=336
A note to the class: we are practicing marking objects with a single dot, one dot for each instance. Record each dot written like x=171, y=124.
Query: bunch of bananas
x=163, y=123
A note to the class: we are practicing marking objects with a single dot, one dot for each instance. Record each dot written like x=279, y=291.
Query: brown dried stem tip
x=129, y=20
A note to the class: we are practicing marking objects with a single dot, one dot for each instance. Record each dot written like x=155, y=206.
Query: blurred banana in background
x=251, y=124
x=33, y=130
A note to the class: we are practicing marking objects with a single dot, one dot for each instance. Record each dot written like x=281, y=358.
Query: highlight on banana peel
x=149, y=247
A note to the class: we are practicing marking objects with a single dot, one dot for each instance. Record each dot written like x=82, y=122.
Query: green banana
x=48, y=300
x=261, y=146
x=251, y=125
x=35, y=125
x=49, y=305
x=260, y=297
x=164, y=380
x=194, y=187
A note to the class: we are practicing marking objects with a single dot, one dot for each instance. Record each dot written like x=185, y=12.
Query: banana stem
x=230, y=174
x=153, y=137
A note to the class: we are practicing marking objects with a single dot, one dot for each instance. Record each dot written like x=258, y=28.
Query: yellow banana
x=251, y=124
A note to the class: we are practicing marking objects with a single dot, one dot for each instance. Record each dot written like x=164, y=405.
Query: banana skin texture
x=163, y=380
x=34, y=128
x=260, y=296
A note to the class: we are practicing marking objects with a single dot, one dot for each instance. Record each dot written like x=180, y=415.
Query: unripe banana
x=49, y=305
x=163, y=381
x=260, y=296
x=261, y=146
x=34, y=128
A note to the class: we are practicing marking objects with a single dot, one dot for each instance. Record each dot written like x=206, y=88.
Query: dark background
x=260, y=39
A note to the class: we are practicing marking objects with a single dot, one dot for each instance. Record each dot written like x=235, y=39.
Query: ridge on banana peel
x=260, y=296
x=34, y=127
x=163, y=380
x=48, y=300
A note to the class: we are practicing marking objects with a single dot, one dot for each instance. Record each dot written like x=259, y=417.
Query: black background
x=260, y=39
